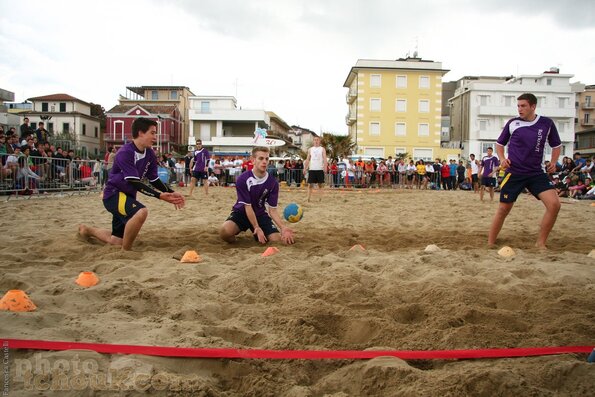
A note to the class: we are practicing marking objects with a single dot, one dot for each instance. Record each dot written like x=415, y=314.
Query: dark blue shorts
x=513, y=185
x=122, y=208
x=488, y=182
x=315, y=176
x=200, y=175
x=264, y=221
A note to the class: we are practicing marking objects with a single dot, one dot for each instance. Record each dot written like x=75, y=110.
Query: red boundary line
x=292, y=354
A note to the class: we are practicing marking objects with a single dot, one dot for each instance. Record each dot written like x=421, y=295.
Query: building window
x=96, y=132
x=423, y=129
x=44, y=106
x=483, y=125
x=424, y=82
x=562, y=102
x=174, y=94
x=375, y=81
x=400, y=129
x=401, y=81
x=541, y=101
x=51, y=127
x=401, y=105
x=483, y=100
x=62, y=107
x=375, y=104
x=65, y=128
x=422, y=154
x=375, y=128
x=508, y=100
x=205, y=107
x=548, y=82
x=588, y=101
x=424, y=106
x=485, y=146
x=586, y=118
x=399, y=151
x=154, y=95
x=84, y=129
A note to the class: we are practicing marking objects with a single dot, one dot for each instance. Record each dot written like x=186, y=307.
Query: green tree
x=337, y=145
x=99, y=112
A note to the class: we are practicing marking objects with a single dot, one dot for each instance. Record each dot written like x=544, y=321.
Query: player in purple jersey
x=256, y=190
x=488, y=169
x=200, y=167
x=134, y=162
x=526, y=137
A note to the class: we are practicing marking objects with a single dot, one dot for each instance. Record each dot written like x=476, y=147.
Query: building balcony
x=587, y=123
x=350, y=119
x=587, y=105
x=510, y=111
x=351, y=96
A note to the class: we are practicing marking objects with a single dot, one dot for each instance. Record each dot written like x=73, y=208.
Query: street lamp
x=159, y=133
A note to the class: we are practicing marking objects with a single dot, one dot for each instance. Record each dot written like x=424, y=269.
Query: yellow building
x=395, y=107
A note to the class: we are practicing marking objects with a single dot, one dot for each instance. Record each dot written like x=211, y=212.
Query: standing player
x=526, y=137
x=255, y=190
x=315, y=165
x=488, y=169
x=200, y=167
x=133, y=162
x=474, y=172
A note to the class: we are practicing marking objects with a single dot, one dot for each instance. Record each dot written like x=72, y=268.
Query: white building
x=222, y=127
x=65, y=114
x=481, y=106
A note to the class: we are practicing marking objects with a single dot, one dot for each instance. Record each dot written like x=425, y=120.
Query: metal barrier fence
x=29, y=175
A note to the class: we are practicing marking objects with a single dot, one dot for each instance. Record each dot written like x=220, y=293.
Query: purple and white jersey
x=526, y=142
x=201, y=159
x=130, y=164
x=489, y=164
x=257, y=192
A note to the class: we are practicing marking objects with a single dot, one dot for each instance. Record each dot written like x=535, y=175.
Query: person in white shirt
x=316, y=165
x=474, y=172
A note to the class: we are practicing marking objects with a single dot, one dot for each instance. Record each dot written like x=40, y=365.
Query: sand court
x=314, y=295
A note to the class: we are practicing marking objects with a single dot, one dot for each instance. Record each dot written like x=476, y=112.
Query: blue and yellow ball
x=293, y=212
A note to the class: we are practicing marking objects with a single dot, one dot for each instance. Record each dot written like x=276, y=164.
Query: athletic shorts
x=122, y=207
x=264, y=222
x=474, y=178
x=315, y=176
x=488, y=182
x=513, y=185
x=200, y=175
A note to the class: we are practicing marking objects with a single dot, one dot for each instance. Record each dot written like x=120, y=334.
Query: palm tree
x=337, y=145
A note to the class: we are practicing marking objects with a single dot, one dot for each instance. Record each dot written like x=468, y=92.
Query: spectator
x=26, y=129
x=42, y=134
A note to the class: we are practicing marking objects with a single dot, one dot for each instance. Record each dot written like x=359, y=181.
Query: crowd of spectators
x=30, y=163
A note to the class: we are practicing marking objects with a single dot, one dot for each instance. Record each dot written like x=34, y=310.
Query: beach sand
x=314, y=295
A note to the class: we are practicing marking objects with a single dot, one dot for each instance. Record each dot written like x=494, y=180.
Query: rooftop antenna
x=416, y=45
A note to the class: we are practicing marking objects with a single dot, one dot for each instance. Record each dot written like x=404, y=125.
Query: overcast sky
x=288, y=56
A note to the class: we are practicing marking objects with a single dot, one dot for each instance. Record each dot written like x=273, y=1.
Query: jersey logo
x=506, y=196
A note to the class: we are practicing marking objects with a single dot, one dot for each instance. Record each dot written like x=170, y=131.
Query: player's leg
x=206, y=184
x=133, y=226
x=552, y=207
x=498, y=221
x=193, y=181
x=102, y=235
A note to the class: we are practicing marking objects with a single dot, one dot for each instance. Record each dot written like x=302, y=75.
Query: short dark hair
x=260, y=149
x=142, y=124
x=471, y=155
x=490, y=148
x=532, y=99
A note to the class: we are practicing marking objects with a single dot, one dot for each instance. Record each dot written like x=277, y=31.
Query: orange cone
x=357, y=247
x=87, y=279
x=16, y=300
x=270, y=251
x=190, y=257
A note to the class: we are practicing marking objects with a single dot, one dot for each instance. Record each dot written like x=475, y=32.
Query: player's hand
x=551, y=168
x=287, y=236
x=505, y=163
x=262, y=239
x=174, y=198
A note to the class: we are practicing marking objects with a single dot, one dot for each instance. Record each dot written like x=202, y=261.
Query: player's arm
x=166, y=194
x=324, y=160
x=286, y=232
x=554, y=160
x=505, y=163
x=307, y=162
x=254, y=222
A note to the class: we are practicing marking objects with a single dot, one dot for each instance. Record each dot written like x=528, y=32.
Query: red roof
x=57, y=97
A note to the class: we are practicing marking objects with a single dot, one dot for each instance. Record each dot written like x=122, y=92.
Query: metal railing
x=29, y=175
